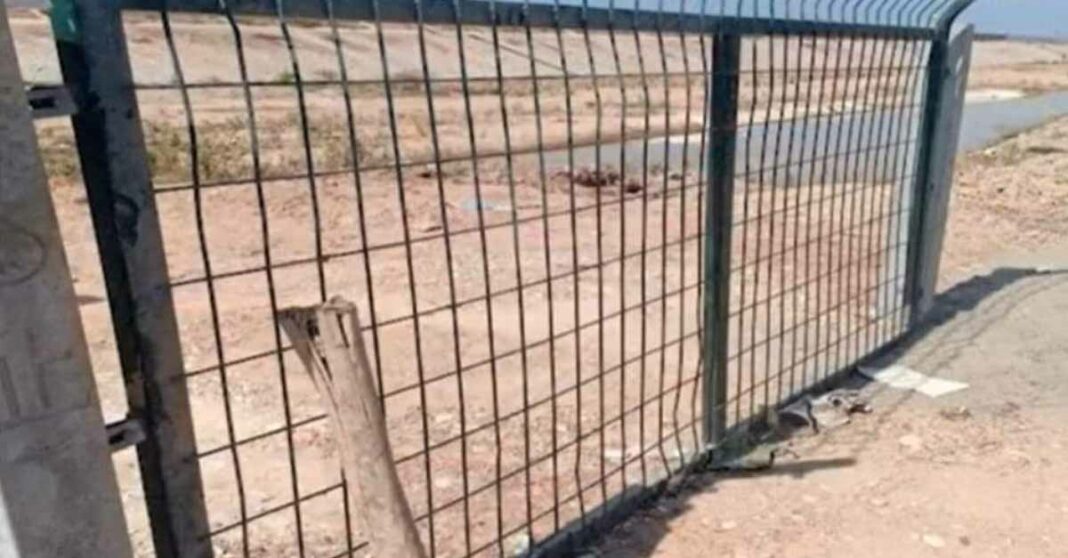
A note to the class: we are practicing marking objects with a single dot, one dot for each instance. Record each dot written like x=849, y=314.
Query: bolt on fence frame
x=111, y=145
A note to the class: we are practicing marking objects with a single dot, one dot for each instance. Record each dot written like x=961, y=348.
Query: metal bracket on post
x=723, y=96
x=947, y=77
x=111, y=148
x=48, y=101
x=125, y=433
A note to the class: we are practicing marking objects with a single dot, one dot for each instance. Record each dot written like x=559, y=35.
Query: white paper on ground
x=901, y=377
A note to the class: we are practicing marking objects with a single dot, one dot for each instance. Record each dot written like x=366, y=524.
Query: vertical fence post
x=95, y=63
x=947, y=77
x=932, y=99
x=723, y=96
x=58, y=495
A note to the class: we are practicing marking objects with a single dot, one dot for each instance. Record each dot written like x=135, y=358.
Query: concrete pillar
x=58, y=493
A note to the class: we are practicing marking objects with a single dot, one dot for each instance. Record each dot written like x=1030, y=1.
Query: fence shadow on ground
x=940, y=336
x=953, y=323
x=967, y=296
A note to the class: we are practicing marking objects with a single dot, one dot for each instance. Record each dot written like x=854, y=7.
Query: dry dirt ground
x=253, y=413
x=975, y=473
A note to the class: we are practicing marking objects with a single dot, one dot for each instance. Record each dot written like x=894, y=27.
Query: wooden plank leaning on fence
x=339, y=367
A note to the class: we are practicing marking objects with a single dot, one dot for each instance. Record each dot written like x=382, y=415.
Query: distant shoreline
x=1019, y=38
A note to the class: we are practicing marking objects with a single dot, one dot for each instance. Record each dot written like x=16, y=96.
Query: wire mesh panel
x=828, y=128
x=517, y=211
x=517, y=197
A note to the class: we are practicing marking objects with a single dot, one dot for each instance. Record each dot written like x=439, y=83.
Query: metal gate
x=591, y=240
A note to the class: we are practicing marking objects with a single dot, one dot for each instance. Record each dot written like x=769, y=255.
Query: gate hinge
x=125, y=433
x=48, y=101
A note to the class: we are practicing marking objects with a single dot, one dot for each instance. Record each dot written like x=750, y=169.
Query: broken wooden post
x=339, y=367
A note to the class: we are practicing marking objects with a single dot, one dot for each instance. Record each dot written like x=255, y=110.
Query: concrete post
x=58, y=493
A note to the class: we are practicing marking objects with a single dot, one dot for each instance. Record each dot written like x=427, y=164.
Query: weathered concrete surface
x=58, y=494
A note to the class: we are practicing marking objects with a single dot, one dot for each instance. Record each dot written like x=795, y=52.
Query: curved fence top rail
x=902, y=18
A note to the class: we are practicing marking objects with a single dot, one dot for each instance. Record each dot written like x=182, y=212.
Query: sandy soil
x=1031, y=67
x=1011, y=196
x=976, y=473
x=257, y=409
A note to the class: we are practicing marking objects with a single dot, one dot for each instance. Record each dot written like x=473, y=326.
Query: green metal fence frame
x=111, y=146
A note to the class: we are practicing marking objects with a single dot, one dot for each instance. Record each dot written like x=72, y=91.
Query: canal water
x=870, y=145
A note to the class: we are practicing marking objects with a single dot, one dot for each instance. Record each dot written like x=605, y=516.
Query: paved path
x=981, y=472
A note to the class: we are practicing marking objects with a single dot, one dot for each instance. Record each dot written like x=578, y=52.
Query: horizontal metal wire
x=421, y=84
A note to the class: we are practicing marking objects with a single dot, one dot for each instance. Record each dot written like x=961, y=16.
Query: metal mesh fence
x=520, y=209
x=821, y=212
x=526, y=250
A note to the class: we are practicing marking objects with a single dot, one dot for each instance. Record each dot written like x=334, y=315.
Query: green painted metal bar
x=940, y=178
x=932, y=99
x=519, y=14
x=950, y=15
x=726, y=61
x=107, y=127
x=933, y=107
